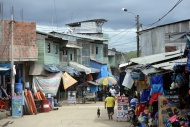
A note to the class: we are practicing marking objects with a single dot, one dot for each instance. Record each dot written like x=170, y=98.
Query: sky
x=120, y=26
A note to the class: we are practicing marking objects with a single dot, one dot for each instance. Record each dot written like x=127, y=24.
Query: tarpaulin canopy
x=37, y=69
x=69, y=70
x=48, y=84
x=68, y=80
x=51, y=68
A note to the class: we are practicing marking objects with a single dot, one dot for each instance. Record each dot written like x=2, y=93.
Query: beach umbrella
x=107, y=81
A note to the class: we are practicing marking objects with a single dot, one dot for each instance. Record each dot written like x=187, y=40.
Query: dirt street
x=79, y=115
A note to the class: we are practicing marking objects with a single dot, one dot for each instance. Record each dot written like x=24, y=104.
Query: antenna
x=21, y=14
x=1, y=10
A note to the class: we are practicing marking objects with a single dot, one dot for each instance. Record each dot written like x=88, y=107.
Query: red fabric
x=89, y=77
x=140, y=108
x=154, y=97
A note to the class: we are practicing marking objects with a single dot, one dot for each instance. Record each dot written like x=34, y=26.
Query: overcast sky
x=120, y=26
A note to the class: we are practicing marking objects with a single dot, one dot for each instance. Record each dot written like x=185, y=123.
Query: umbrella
x=107, y=81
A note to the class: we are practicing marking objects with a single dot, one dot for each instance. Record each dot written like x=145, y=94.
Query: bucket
x=27, y=85
x=38, y=105
x=18, y=87
x=51, y=100
x=45, y=105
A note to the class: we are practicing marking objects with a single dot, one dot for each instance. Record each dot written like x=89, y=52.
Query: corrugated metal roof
x=50, y=35
x=170, y=64
x=78, y=36
x=124, y=64
x=187, y=20
x=156, y=57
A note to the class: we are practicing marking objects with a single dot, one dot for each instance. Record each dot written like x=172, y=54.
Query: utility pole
x=12, y=55
x=138, y=26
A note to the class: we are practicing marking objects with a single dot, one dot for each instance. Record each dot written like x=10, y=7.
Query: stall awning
x=68, y=80
x=80, y=67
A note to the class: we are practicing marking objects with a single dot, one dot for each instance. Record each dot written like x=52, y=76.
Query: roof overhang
x=170, y=64
x=73, y=46
x=157, y=57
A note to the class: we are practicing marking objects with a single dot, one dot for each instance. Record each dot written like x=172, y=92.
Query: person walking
x=110, y=104
x=112, y=91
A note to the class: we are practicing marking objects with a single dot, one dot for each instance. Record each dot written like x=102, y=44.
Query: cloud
x=57, y=13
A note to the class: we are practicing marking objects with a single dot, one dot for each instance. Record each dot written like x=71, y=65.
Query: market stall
x=87, y=91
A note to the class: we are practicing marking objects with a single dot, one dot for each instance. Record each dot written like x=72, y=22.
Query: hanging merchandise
x=128, y=81
x=181, y=80
x=157, y=79
x=145, y=95
x=137, y=74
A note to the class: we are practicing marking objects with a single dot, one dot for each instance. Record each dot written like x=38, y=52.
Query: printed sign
x=17, y=110
x=71, y=97
x=122, y=108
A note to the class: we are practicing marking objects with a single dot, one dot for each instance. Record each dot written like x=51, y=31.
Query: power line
x=114, y=42
x=149, y=25
x=121, y=32
x=123, y=43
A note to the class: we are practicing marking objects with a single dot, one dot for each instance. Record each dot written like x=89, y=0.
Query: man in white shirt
x=112, y=91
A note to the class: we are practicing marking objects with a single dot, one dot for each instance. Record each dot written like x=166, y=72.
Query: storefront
x=162, y=88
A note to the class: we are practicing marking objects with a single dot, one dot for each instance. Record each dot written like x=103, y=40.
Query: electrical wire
x=114, y=42
x=121, y=32
x=123, y=44
x=149, y=25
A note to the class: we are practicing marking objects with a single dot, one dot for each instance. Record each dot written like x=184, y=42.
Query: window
x=71, y=57
x=48, y=47
x=92, y=48
x=96, y=50
x=56, y=49
x=64, y=52
x=105, y=50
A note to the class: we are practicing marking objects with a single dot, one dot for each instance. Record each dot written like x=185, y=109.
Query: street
x=79, y=115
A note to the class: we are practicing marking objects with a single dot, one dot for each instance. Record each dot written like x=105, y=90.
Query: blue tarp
x=5, y=65
x=104, y=72
x=103, y=69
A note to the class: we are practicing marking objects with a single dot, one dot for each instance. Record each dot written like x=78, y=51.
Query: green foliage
x=131, y=54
